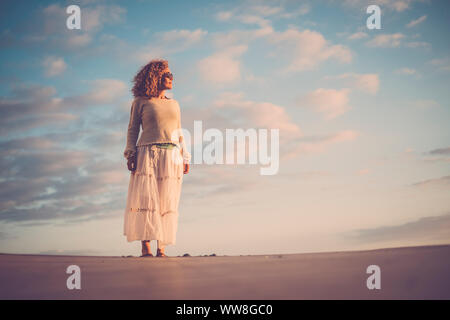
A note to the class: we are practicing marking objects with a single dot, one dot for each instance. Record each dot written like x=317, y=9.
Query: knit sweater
x=161, y=123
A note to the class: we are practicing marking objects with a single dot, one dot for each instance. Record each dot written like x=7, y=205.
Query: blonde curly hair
x=147, y=81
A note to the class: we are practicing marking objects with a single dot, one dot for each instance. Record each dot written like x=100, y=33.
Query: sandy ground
x=406, y=273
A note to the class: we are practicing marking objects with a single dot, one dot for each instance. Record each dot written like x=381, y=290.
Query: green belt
x=165, y=145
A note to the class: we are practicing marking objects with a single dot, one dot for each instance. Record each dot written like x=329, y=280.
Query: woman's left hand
x=186, y=168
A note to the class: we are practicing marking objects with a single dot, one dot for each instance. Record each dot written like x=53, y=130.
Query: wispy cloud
x=406, y=71
x=169, y=42
x=386, y=40
x=393, y=5
x=442, y=64
x=368, y=82
x=434, y=182
x=434, y=228
x=54, y=66
x=417, y=21
x=358, y=35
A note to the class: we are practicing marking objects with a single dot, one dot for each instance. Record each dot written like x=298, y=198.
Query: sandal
x=146, y=255
x=160, y=254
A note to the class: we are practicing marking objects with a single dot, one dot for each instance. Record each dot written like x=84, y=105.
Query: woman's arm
x=133, y=130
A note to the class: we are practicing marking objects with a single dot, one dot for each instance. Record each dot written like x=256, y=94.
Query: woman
x=157, y=162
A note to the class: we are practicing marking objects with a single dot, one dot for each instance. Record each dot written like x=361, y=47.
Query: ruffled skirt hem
x=153, y=195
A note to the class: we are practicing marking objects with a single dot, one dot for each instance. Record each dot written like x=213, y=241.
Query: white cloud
x=54, y=66
x=306, y=49
x=330, y=102
x=222, y=67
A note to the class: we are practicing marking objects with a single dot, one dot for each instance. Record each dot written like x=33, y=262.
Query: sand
x=406, y=273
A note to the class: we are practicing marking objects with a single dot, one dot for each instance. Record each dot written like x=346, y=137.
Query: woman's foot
x=146, y=250
x=160, y=253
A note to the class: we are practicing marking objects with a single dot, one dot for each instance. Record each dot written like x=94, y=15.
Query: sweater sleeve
x=133, y=130
x=185, y=152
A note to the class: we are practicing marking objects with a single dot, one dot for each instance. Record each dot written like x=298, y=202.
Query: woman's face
x=166, y=81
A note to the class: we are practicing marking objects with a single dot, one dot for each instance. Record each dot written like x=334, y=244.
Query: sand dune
x=406, y=273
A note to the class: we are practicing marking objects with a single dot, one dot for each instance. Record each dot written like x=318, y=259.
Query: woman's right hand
x=131, y=163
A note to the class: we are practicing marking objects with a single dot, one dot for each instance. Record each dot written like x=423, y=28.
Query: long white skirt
x=153, y=195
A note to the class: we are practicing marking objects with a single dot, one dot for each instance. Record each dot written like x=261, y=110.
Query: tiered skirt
x=153, y=195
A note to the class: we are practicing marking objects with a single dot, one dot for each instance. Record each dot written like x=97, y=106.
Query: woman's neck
x=161, y=94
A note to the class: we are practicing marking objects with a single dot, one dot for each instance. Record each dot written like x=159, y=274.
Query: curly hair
x=147, y=80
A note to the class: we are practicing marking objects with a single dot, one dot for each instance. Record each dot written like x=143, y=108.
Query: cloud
x=239, y=37
x=306, y=49
x=406, y=71
x=222, y=67
x=440, y=151
x=44, y=181
x=434, y=182
x=47, y=26
x=358, y=35
x=34, y=106
x=437, y=155
x=393, y=5
x=442, y=64
x=54, y=66
x=104, y=91
x=330, y=102
x=434, y=228
x=31, y=106
x=259, y=13
x=386, y=40
x=395, y=40
x=418, y=44
x=303, y=50
x=213, y=181
x=368, y=82
x=256, y=114
x=424, y=104
x=169, y=42
x=93, y=19
x=416, y=22
x=46, y=176
x=315, y=143
x=233, y=110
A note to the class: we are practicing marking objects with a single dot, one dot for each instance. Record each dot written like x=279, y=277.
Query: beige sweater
x=161, y=122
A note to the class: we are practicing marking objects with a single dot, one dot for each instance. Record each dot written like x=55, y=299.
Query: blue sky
x=363, y=119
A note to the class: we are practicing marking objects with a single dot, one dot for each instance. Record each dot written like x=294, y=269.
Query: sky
x=362, y=115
